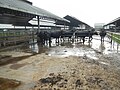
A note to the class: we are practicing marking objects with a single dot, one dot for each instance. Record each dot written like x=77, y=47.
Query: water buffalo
x=83, y=34
x=44, y=37
x=56, y=35
x=68, y=34
x=102, y=35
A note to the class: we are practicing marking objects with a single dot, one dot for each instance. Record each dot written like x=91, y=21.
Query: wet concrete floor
x=67, y=48
x=77, y=48
x=93, y=50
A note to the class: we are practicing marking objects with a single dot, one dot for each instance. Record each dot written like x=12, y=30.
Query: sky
x=88, y=11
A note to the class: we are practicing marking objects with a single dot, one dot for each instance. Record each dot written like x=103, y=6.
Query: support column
x=55, y=25
x=38, y=24
x=109, y=27
x=115, y=26
x=64, y=26
x=25, y=27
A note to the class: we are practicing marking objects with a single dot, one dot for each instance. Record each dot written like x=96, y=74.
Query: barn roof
x=74, y=21
x=115, y=22
x=27, y=7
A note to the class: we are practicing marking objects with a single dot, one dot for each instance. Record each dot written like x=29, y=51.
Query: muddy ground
x=65, y=67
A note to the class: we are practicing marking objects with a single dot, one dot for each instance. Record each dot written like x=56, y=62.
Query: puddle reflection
x=34, y=46
x=105, y=47
x=73, y=49
x=66, y=48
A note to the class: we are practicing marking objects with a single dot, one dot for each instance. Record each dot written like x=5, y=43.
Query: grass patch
x=116, y=38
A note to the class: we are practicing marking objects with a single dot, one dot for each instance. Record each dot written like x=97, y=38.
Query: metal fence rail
x=114, y=36
x=13, y=37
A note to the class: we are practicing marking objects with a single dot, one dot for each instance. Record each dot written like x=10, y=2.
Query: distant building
x=98, y=26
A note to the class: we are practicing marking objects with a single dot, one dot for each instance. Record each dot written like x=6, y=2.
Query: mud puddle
x=93, y=50
x=7, y=84
x=90, y=50
x=9, y=60
x=66, y=48
x=105, y=47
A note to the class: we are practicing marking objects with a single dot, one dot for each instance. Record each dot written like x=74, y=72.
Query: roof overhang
x=23, y=7
x=115, y=22
x=74, y=21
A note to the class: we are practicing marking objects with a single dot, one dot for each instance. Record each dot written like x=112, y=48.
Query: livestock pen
x=10, y=37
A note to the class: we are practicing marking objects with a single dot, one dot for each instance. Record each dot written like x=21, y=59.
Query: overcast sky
x=88, y=11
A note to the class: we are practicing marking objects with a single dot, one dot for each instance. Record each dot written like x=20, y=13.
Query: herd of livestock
x=61, y=35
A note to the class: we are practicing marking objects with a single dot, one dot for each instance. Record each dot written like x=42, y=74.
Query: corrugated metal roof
x=27, y=8
x=117, y=21
x=74, y=21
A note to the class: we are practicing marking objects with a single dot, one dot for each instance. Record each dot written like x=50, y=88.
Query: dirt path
x=42, y=72
x=75, y=73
